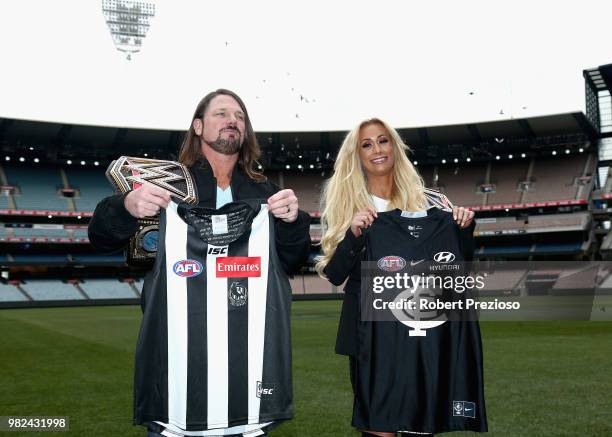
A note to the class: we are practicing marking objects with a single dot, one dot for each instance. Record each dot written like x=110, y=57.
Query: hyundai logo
x=444, y=257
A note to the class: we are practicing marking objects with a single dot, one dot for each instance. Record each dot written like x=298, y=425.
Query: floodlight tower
x=598, y=88
x=128, y=22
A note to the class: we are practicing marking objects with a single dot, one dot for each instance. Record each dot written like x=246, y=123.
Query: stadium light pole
x=128, y=22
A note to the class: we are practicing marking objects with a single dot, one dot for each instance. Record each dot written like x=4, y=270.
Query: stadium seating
x=40, y=259
x=4, y=202
x=92, y=186
x=10, y=293
x=503, y=250
x=79, y=233
x=310, y=284
x=570, y=281
x=100, y=259
x=427, y=173
x=460, y=183
x=41, y=192
x=506, y=178
x=307, y=188
x=558, y=248
x=502, y=281
x=555, y=178
x=31, y=232
x=107, y=289
x=533, y=224
x=51, y=290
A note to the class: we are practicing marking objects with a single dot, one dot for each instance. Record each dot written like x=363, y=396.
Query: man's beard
x=226, y=146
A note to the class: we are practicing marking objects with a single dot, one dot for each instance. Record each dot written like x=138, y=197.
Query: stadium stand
x=91, y=186
x=310, y=284
x=4, y=201
x=506, y=177
x=307, y=187
x=98, y=259
x=510, y=194
x=503, y=281
x=427, y=173
x=39, y=259
x=571, y=281
x=460, y=183
x=502, y=250
x=34, y=232
x=555, y=179
x=549, y=248
x=77, y=232
x=578, y=221
x=43, y=289
x=108, y=289
x=39, y=193
x=10, y=293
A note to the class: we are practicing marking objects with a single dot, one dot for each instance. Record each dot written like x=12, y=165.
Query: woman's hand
x=361, y=220
x=463, y=216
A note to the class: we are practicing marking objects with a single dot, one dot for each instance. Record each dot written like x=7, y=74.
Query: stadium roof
x=15, y=132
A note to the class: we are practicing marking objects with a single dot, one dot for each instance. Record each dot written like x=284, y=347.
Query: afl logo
x=444, y=257
x=187, y=268
x=391, y=263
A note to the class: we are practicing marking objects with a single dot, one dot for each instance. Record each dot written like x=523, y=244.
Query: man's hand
x=284, y=205
x=146, y=200
x=463, y=216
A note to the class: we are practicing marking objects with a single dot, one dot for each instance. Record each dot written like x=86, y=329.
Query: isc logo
x=187, y=268
x=391, y=263
x=217, y=250
x=264, y=389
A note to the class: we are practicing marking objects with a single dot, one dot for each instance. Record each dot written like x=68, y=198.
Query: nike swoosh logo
x=414, y=263
x=468, y=409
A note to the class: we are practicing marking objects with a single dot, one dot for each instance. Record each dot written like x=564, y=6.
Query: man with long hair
x=220, y=150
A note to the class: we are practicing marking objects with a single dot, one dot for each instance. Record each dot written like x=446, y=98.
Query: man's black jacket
x=112, y=225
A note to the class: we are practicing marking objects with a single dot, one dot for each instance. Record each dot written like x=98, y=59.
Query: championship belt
x=438, y=200
x=129, y=173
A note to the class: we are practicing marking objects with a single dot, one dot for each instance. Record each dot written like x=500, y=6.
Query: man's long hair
x=346, y=192
x=191, y=149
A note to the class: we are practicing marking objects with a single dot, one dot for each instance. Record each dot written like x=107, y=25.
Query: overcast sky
x=304, y=65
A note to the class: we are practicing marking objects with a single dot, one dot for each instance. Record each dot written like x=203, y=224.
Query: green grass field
x=542, y=378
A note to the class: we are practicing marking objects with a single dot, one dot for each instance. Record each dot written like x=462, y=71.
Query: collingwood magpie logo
x=237, y=294
x=444, y=257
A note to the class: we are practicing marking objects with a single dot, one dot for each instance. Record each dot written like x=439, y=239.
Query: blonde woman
x=372, y=174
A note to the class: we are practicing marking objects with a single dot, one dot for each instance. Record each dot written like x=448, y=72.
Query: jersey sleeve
x=112, y=225
x=293, y=242
x=344, y=258
x=467, y=243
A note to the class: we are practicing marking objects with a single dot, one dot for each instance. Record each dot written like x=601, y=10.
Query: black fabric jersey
x=430, y=382
x=214, y=350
